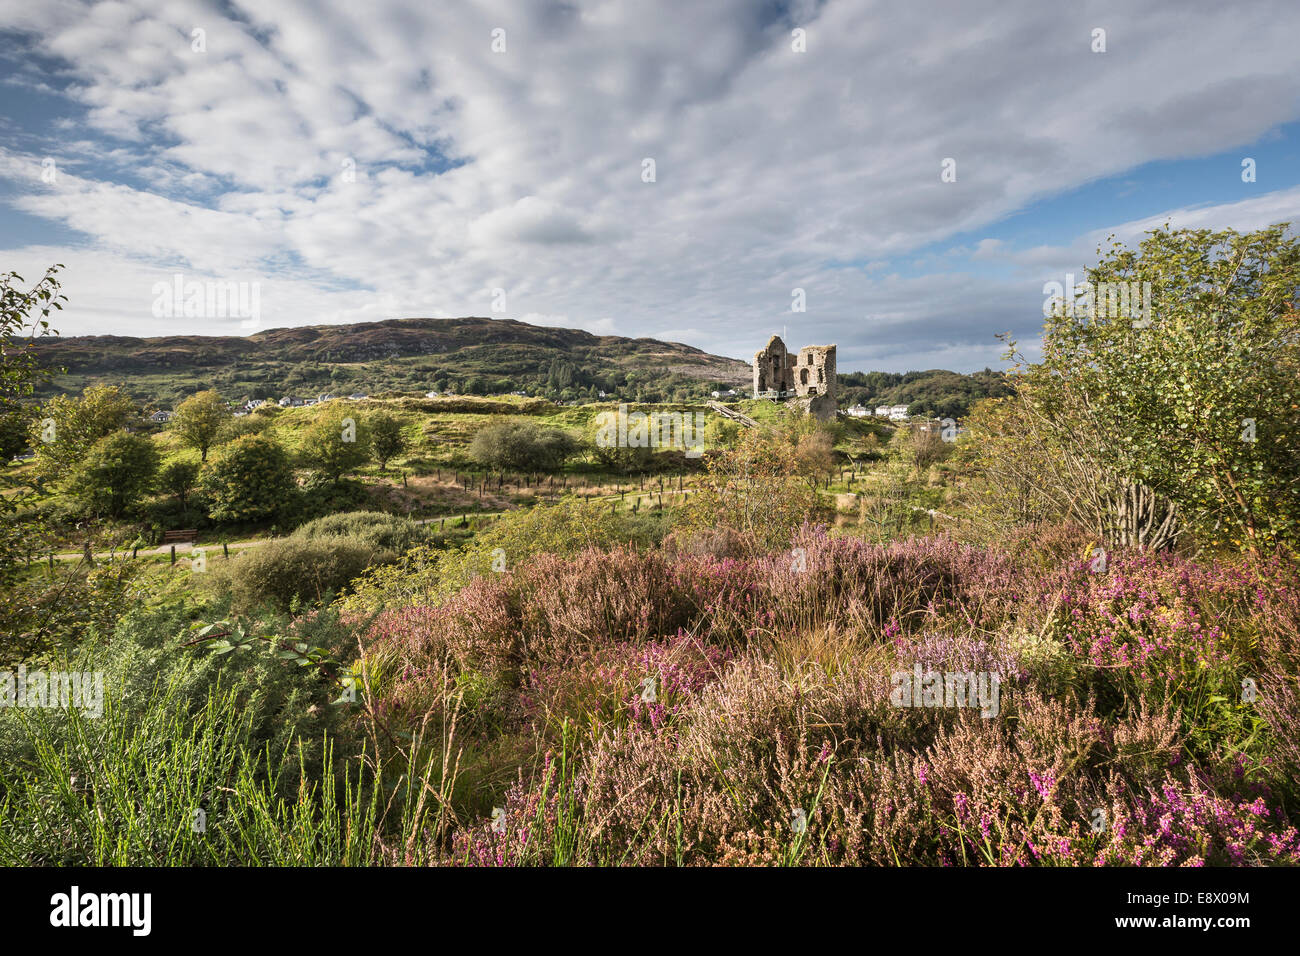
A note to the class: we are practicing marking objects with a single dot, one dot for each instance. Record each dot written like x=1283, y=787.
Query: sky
x=674, y=170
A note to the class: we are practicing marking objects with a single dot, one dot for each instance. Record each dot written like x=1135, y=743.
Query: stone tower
x=773, y=369
x=808, y=377
x=814, y=371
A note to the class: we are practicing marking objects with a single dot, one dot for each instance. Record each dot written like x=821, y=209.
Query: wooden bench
x=179, y=537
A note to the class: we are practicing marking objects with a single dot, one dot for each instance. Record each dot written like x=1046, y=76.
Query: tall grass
x=174, y=787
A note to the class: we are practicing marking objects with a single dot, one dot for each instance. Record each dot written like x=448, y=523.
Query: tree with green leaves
x=15, y=432
x=386, y=438
x=178, y=478
x=249, y=479
x=336, y=443
x=24, y=316
x=1185, y=415
x=20, y=367
x=521, y=446
x=67, y=427
x=200, y=421
x=754, y=488
x=115, y=473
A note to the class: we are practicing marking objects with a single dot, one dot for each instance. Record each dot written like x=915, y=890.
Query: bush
x=426, y=574
x=319, y=496
x=295, y=570
x=521, y=446
x=383, y=532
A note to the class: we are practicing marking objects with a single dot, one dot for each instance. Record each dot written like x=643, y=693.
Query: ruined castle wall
x=814, y=371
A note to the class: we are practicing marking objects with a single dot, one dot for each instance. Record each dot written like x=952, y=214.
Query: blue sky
x=363, y=162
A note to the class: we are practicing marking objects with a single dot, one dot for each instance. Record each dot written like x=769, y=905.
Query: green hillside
x=474, y=356
x=467, y=356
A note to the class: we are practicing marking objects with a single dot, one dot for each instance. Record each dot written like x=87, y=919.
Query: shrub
x=319, y=496
x=755, y=489
x=381, y=531
x=290, y=571
x=521, y=446
x=425, y=575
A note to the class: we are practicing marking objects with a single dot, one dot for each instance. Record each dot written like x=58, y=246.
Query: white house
x=858, y=411
x=882, y=411
x=357, y=396
x=898, y=413
x=160, y=417
x=432, y=394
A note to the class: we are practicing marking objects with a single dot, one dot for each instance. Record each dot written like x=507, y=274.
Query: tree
x=15, y=429
x=178, y=477
x=250, y=479
x=386, y=438
x=117, y=471
x=23, y=313
x=1186, y=415
x=810, y=446
x=521, y=446
x=920, y=446
x=613, y=456
x=754, y=488
x=200, y=420
x=68, y=426
x=335, y=444
x=19, y=364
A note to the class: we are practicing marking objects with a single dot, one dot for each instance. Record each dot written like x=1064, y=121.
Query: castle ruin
x=808, y=377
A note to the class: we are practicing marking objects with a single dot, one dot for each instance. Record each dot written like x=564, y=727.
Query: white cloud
x=773, y=167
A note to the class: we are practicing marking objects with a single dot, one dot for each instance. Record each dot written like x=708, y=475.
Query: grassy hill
x=476, y=356
x=469, y=356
